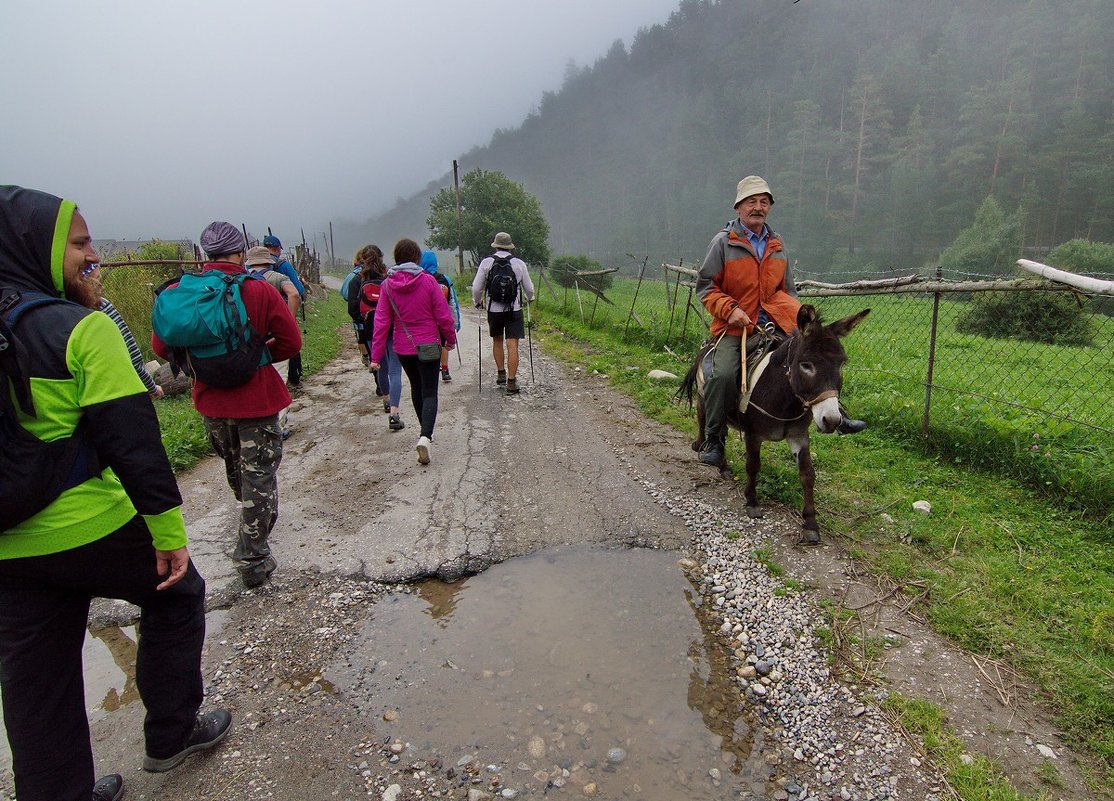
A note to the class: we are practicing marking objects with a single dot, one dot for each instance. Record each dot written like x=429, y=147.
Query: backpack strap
x=13, y=365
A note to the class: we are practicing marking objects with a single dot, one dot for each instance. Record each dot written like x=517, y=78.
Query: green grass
x=183, y=434
x=976, y=778
x=982, y=412
x=1002, y=569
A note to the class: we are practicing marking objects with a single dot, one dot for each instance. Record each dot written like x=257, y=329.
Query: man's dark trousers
x=44, y=609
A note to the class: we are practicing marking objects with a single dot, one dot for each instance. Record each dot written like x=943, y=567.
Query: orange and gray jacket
x=733, y=276
x=79, y=370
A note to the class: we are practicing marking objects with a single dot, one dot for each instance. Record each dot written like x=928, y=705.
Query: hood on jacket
x=34, y=228
x=404, y=278
x=429, y=262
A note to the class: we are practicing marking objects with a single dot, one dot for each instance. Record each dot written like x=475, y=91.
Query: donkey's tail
x=688, y=383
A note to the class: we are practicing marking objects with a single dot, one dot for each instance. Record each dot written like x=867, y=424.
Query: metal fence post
x=931, y=357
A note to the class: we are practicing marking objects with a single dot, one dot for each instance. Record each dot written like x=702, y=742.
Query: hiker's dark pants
x=251, y=449
x=423, y=378
x=44, y=609
x=294, y=369
x=721, y=388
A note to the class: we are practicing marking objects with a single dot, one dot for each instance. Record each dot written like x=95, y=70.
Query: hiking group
x=406, y=319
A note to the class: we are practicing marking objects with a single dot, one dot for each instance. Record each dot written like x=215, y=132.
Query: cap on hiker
x=221, y=238
x=750, y=186
x=259, y=257
x=271, y=242
x=503, y=241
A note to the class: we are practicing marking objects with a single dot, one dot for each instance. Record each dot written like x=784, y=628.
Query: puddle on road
x=552, y=661
x=109, y=658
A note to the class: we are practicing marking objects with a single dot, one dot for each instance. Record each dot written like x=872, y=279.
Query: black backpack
x=32, y=472
x=502, y=283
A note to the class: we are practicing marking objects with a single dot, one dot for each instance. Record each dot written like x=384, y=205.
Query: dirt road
x=567, y=461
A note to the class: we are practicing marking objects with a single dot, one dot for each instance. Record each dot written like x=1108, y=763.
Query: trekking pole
x=530, y=341
x=479, y=359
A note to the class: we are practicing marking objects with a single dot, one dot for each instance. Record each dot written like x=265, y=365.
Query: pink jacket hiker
x=421, y=305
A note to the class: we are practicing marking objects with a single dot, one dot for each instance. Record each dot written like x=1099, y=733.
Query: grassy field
x=997, y=404
x=182, y=431
x=1004, y=571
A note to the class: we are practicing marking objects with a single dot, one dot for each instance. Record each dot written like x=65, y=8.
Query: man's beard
x=84, y=290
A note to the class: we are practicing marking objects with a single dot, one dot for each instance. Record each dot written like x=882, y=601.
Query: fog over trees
x=882, y=126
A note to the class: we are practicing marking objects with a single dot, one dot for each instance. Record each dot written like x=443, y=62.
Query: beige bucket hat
x=503, y=241
x=259, y=256
x=752, y=185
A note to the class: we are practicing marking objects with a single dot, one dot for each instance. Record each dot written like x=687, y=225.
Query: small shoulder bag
x=427, y=351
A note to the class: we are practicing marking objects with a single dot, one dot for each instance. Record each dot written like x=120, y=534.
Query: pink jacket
x=421, y=305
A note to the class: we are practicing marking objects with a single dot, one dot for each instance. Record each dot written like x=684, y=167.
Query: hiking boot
x=512, y=386
x=501, y=378
x=285, y=434
x=712, y=453
x=423, y=450
x=208, y=730
x=386, y=405
x=109, y=788
x=258, y=573
x=849, y=426
x=394, y=422
x=445, y=375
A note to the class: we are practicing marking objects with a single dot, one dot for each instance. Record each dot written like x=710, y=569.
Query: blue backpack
x=204, y=324
x=347, y=284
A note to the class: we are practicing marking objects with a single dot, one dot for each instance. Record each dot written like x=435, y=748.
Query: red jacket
x=265, y=394
x=733, y=276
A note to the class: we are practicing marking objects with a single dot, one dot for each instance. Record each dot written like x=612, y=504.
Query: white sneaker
x=423, y=450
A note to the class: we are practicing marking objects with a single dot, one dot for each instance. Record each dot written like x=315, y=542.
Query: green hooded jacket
x=80, y=368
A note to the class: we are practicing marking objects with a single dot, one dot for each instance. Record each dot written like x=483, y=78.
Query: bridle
x=806, y=403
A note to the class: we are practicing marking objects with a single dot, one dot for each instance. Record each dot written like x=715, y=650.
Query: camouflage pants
x=251, y=449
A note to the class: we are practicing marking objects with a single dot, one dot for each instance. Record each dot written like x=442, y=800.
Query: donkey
x=799, y=386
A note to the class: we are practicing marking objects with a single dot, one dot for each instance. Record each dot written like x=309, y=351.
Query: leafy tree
x=489, y=202
x=564, y=269
x=990, y=245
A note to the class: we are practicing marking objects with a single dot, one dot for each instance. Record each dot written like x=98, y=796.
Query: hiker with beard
x=89, y=508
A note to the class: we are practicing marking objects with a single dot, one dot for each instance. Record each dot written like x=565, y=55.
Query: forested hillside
x=881, y=125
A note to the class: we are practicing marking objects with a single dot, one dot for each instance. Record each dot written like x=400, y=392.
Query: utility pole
x=459, y=244
x=332, y=245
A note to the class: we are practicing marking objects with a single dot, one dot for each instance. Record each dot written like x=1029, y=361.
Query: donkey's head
x=815, y=365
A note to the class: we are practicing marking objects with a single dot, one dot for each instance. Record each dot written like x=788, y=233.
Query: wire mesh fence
x=1021, y=380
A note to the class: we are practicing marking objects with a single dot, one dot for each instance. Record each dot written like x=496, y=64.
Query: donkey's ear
x=807, y=318
x=843, y=327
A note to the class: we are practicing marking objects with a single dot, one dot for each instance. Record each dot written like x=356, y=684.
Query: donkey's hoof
x=810, y=537
x=754, y=512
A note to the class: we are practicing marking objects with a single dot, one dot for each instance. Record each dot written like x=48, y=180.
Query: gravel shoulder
x=567, y=461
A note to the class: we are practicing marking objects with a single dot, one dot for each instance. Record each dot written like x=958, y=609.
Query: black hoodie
x=80, y=370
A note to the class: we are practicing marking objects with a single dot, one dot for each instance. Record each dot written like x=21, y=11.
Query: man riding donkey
x=747, y=286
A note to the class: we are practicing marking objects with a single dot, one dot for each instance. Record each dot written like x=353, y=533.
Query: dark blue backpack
x=32, y=472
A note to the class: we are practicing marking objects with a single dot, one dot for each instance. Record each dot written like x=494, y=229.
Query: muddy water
x=541, y=667
x=109, y=658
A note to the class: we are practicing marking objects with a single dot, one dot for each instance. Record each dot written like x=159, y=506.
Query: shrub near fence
x=131, y=288
x=1033, y=411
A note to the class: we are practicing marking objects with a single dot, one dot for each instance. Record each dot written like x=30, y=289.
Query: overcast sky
x=159, y=117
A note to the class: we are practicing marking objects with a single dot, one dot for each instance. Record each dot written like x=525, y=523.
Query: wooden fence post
x=641, y=272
